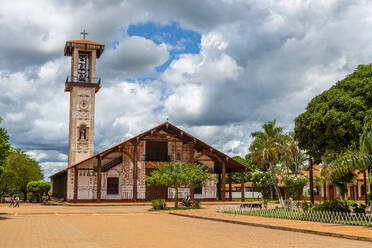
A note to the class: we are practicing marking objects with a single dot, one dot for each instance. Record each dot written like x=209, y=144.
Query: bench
x=251, y=205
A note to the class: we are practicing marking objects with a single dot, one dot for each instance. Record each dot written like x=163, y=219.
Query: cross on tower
x=83, y=34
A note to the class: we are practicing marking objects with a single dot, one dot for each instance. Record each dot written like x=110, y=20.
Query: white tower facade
x=83, y=86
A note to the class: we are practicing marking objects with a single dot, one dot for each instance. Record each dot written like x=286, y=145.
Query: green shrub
x=159, y=204
x=333, y=206
x=351, y=202
x=359, y=209
x=295, y=185
x=196, y=204
x=368, y=197
x=306, y=205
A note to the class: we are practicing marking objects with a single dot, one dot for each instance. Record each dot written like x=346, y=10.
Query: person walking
x=16, y=201
x=12, y=202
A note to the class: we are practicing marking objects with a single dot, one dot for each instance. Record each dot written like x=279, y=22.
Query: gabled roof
x=199, y=145
x=70, y=44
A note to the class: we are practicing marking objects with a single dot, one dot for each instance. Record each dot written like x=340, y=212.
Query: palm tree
x=324, y=179
x=286, y=155
x=356, y=160
x=265, y=151
x=292, y=156
x=341, y=182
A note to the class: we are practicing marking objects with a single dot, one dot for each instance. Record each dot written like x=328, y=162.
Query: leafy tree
x=248, y=162
x=25, y=169
x=195, y=175
x=352, y=161
x=317, y=183
x=265, y=151
x=295, y=185
x=38, y=188
x=263, y=183
x=291, y=154
x=8, y=182
x=236, y=176
x=4, y=147
x=334, y=119
x=176, y=175
x=341, y=182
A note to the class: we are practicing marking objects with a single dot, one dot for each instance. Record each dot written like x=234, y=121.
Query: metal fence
x=299, y=214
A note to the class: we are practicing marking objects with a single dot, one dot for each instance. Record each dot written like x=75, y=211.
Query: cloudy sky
x=217, y=68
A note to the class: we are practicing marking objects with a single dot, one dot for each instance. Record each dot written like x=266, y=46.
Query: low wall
x=247, y=195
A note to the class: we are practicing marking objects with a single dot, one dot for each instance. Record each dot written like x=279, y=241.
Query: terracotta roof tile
x=236, y=186
x=86, y=42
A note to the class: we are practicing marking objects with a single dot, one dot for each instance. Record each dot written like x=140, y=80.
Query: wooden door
x=155, y=192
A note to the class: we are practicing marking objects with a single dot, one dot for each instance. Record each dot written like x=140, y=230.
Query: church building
x=118, y=173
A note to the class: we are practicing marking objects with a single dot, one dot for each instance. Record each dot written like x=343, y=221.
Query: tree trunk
x=275, y=183
x=286, y=197
x=24, y=195
x=295, y=169
x=368, y=181
x=176, y=198
x=311, y=180
x=369, y=176
x=365, y=187
x=325, y=191
x=192, y=193
x=219, y=187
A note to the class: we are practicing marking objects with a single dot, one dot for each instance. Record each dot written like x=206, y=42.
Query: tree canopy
x=236, y=176
x=41, y=187
x=4, y=147
x=176, y=175
x=262, y=183
x=334, y=119
x=295, y=185
x=22, y=169
x=38, y=188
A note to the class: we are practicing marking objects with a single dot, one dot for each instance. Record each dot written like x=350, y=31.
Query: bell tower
x=82, y=85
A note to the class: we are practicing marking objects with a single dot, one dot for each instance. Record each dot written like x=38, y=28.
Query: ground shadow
x=3, y=216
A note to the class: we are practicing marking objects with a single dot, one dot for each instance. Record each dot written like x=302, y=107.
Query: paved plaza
x=135, y=226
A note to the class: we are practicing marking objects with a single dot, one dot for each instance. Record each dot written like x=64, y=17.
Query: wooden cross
x=84, y=34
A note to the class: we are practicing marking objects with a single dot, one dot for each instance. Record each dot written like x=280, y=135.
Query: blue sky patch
x=139, y=79
x=182, y=40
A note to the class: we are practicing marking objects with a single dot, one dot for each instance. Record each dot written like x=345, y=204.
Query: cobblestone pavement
x=124, y=226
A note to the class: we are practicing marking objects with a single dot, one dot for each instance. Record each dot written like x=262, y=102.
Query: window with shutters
x=157, y=151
